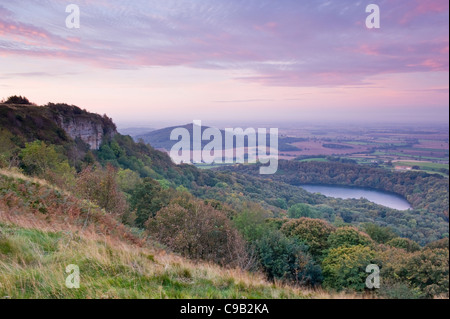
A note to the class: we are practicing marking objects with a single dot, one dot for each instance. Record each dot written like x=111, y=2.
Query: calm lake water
x=378, y=197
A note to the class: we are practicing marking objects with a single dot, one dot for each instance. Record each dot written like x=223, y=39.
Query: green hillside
x=36, y=246
x=73, y=190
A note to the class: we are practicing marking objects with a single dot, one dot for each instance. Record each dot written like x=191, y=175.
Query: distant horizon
x=284, y=125
x=158, y=124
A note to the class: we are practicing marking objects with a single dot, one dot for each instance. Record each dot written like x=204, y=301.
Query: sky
x=174, y=61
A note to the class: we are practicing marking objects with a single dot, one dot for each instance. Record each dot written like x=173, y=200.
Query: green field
x=426, y=166
x=423, y=165
x=318, y=159
x=387, y=154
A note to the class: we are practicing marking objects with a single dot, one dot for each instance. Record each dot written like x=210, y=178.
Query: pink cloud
x=292, y=44
x=420, y=9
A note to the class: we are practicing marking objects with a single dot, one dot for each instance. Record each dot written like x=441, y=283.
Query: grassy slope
x=42, y=230
x=33, y=262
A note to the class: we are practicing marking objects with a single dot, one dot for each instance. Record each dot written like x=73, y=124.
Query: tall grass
x=36, y=245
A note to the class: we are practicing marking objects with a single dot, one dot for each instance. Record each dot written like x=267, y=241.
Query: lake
x=382, y=198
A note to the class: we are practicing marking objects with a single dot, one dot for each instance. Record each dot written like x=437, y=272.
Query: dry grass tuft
x=36, y=246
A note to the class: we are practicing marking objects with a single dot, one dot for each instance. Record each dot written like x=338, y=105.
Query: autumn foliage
x=198, y=231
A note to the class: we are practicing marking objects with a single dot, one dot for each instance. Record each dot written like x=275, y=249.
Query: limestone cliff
x=89, y=127
x=90, y=132
x=56, y=124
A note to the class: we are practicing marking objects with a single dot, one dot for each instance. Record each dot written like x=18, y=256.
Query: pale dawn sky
x=174, y=61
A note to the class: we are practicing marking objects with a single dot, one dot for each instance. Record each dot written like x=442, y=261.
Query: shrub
x=42, y=160
x=404, y=243
x=442, y=243
x=428, y=271
x=398, y=290
x=348, y=236
x=313, y=232
x=425, y=271
x=345, y=267
x=287, y=259
x=302, y=210
x=127, y=180
x=99, y=185
x=251, y=222
x=147, y=198
x=379, y=234
x=8, y=150
x=15, y=99
x=38, y=158
x=198, y=231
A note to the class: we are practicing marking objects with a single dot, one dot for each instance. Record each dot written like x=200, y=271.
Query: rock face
x=87, y=129
x=57, y=124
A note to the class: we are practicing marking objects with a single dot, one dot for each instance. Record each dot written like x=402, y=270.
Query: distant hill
x=135, y=131
x=160, y=139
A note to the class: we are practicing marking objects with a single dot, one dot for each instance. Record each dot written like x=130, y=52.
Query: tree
x=425, y=272
x=127, y=180
x=198, y=231
x=442, y=243
x=281, y=203
x=348, y=236
x=42, y=160
x=287, y=259
x=313, y=232
x=428, y=271
x=391, y=289
x=100, y=186
x=38, y=158
x=251, y=222
x=379, y=234
x=8, y=150
x=17, y=100
x=404, y=243
x=345, y=267
x=302, y=210
x=147, y=198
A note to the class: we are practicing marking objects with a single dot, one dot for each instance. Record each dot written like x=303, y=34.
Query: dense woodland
x=234, y=217
x=428, y=195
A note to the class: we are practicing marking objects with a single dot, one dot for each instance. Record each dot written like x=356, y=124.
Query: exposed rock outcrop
x=89, y=127
x=89, y=132
x=56, y=123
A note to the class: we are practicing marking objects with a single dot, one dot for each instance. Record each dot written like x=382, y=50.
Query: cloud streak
x=278, y=43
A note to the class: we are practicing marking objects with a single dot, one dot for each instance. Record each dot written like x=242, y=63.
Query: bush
x=398, y=290
x=251, y=222
x=313, y=232
x=127, y=180
x=379, y=234
x=99, y=185
x=285, y=258
x=427, y=270
x=302, y=210
x=198, y=231
x=442, y=243
x=17, y=100
x=38, y=158
x=147, y=198
x=276, y=223
x=8, y=150
x=404, y=243
x=348, y=236
x=42, y=160
x=345, y=267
